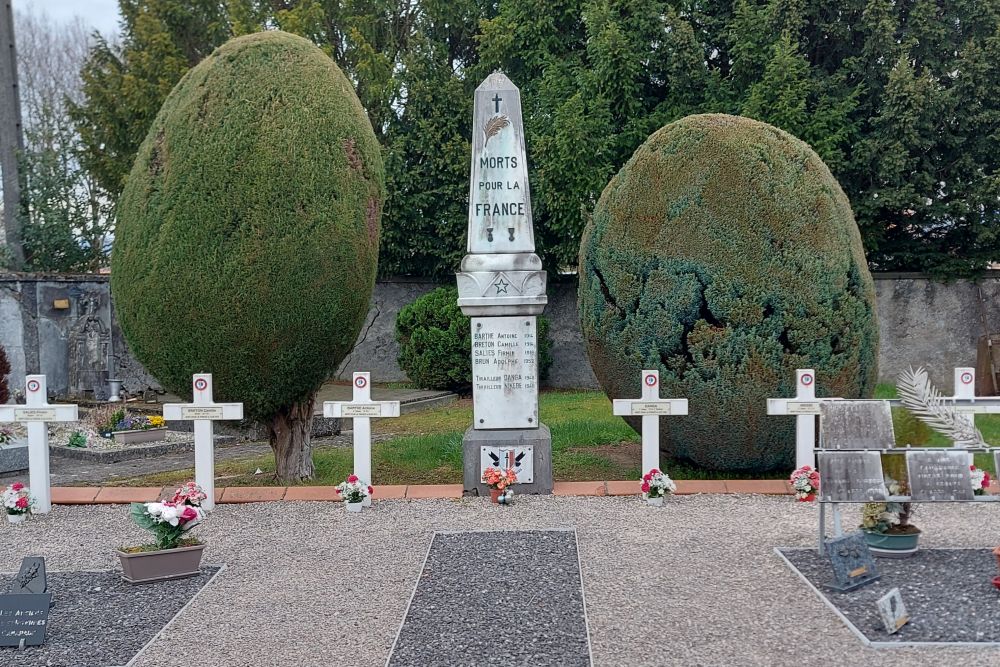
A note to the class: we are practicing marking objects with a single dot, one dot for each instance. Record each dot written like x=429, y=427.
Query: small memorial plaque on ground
x=852, y=562
x=31, y=577
x=501, y=597
x=939, y=475
x=23, y=618
x=851, y=477
x=893, y=611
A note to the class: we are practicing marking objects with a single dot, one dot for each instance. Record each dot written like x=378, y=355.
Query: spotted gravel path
x=693, y=583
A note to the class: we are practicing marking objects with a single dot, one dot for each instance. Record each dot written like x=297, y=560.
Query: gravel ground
x=99, y=619
x=947, y=593
x=695, y=582
x=511, y=595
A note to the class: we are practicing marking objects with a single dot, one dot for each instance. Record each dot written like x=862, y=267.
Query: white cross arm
x=793, y=406
x=348, y=410
x=45, y=413
x=213, y=411
x=657, y=406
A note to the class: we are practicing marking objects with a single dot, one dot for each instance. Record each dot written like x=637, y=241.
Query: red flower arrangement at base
x=805, y=482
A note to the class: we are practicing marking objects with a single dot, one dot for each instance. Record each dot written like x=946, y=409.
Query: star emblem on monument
x=501, y=286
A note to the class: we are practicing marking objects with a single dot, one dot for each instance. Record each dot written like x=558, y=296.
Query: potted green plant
x=887, y=526
x=173, y=555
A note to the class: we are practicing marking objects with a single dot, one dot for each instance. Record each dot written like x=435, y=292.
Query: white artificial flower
x=170, y=515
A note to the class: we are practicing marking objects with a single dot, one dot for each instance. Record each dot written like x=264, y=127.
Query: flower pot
x=354, y=507
x=890, y=545
x=139, y=435
x=495, y=496
x=150, y=566
x=655, y=502
x=17, y=518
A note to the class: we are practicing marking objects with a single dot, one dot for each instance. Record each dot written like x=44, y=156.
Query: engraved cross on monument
x=203, y=411
x=361, y=409
x=651, y=407
x=502, y=288
x=36, y=413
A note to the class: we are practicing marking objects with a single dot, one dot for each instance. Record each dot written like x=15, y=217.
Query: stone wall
x=936, y=325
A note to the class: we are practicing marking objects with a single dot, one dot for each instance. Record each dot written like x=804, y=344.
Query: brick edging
x=111, y=495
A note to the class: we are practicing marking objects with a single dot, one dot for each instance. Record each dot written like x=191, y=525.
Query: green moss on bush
x=435, y=342
x=725, y=254
x=248, y=230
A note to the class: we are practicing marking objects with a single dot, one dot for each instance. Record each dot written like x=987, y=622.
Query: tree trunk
x=290, y=431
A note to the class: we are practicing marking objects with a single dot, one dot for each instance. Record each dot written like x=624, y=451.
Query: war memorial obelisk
x=502, y=288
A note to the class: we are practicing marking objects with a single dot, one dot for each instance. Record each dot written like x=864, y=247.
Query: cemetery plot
x=504, y=597
x=947, y=595
x=98, y=619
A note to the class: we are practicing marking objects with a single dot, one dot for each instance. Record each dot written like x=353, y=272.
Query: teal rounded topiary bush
x=247, y=240
x=435, y=342
x=726, y=255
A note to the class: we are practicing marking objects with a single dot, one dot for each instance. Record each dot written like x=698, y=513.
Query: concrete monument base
x=540, y=439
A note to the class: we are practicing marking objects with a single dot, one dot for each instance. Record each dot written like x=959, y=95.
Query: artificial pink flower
x=16, y=486
x=370, y=490
x=352, y=479
x=189, y=514
x=645, y=487
x=986, y=479
x=21, y=503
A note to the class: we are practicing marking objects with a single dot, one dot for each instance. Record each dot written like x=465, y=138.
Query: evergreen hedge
x=725, y=254
x=249, y=226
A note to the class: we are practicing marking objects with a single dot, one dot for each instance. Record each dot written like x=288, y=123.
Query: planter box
x=139, y=435
x=13, y=457
x=150, y=566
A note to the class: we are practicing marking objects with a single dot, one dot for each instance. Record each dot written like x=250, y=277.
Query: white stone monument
x=502, y=288
x=651, y=407
x=805, y=407
x=36, y=413
x=203, y=411
x=362, y=409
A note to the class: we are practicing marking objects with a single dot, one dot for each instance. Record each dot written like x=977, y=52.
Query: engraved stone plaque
x=893, y=611
x=521, y=459
x=31, y=577
x=24, y=618
x=852, y=562
x=851, y=477
x=856, y=425
x=196, y=412
x=939, y=475
x=504, y=372
x=35, y=414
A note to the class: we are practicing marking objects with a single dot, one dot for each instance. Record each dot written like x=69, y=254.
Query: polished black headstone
x=24, y=617
x=31, y=577
x=852, y=562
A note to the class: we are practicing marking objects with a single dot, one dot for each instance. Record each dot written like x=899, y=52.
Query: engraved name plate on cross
x=805, y=408
x=36, y=412
x=203, y=411
x=362, y=409
x=651, y=407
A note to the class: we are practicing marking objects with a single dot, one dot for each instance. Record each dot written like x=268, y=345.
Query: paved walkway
x=695, y=582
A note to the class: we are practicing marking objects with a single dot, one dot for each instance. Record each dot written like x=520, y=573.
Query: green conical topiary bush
x=248, y=231
x=725, y=254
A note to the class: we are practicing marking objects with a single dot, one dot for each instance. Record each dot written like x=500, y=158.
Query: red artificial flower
x=21, y=503
x=986, y=479
x=808, y=499
x=972, y=467
x=645, y=487
x=16, y=486
x=370, y=490
x=655, y=471
x=648, y=476
x=189, y=514
x=352, y=479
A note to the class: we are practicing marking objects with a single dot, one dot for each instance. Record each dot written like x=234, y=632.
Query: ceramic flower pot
x=17, y=518
x=655, y=502
x=139, y=435
x=354, y=507
x=149, y=566
x=891, y=545
x=495, y=496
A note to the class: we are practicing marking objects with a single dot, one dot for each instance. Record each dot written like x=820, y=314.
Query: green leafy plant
x=435, y=342
x=77, y=439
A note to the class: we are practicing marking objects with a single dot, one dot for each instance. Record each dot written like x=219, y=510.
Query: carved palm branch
x=922, y=399
x=493, y=127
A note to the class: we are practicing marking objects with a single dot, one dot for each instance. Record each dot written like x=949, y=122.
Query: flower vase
x=495, y=496
x=354, y=507
x=655, y=502
x=17, y=518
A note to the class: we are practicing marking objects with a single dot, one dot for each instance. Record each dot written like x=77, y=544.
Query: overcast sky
x=101, y=14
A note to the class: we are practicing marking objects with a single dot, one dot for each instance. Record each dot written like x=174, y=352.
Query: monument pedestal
x=535, y=443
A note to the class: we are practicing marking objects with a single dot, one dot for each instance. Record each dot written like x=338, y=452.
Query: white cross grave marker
x=203, y=411
x=35, y=413
x=651, y=407
x=805, y=406
x=361, y=409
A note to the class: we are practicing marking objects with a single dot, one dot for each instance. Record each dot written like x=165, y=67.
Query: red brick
x=688, y=486
x=578, y=489
x=119, y=495
x=624, y=488
x=327, y=493
x=74, y=495
x=252, y=494
x=434, y=491
x=764, y=486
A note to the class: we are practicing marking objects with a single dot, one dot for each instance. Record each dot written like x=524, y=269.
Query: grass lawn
x=588, y=443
